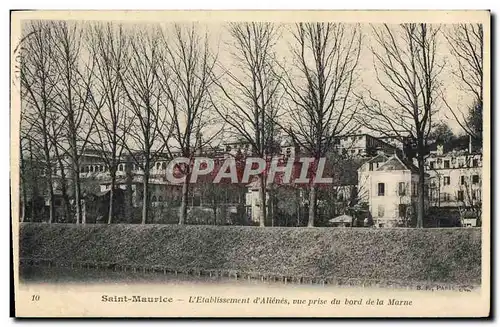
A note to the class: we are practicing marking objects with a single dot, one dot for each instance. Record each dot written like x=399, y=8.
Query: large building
x=389, y=184
x=362, y=145
x=456, y=182
x=376, y=171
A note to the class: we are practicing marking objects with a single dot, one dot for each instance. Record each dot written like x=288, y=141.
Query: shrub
x=437, y=255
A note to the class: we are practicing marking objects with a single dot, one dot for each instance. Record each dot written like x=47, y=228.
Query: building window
x=402, y=188
x=153, y=199
x=462, y=180
x=381, y=211
x=402, y=210
x=370, y=166
x=447, y=164
x=460, y=195
x=446, y=180
x=381, y=189
x=414, y=189
x=431, y=164
x=446, y=197
x=160, y=199
x=475, y=179
x=475, y=163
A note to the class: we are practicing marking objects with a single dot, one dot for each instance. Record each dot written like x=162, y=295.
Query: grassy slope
x=437, y=255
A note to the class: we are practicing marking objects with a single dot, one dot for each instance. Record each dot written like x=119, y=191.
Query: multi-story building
x=396, y=141
x=456, y=181
x=362, y=145
x=389, y=184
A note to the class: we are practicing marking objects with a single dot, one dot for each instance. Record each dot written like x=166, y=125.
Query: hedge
x=451, y=255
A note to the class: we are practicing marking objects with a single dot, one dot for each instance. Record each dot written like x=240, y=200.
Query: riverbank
x=299, y=255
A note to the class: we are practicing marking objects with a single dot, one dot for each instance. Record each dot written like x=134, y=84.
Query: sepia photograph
x=250, y=164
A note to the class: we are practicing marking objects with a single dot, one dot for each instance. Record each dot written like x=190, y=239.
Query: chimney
x=439, y=149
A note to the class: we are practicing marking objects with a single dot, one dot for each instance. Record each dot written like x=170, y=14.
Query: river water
x=67, y=275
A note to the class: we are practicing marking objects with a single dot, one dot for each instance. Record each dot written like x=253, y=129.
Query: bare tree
x=27, y=177
x=185, y=79
x=141, y=83
x=38, y=79
x=466, y=45
x=108, y=45
x=470, y=201
x=251, y=92
x=56, y=134
x=74, y=97
x=407, y=70
x=320, y=91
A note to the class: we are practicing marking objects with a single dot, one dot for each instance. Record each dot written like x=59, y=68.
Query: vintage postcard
x=251, y=163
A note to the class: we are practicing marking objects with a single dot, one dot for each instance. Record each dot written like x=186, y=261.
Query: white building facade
x=390, y=187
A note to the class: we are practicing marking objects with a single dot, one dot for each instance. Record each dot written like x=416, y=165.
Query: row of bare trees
x=409, y=72
x=143, y=92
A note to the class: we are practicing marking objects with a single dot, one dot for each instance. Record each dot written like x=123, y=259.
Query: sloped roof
x=379, y=158
x=341, y=219
x=396, y=163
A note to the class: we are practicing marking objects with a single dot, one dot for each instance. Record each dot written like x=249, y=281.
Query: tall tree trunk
x=84, y=212
x=22, y=175
x=75, y=172
x=184, y=202
x=271, y=207
x=48, y=172
x=297, y=198
x=312, y=205
x=51, y=201
x=263, y=202
x=34, y=180
x=80, y=217
x=111, y=196
x=421, y=192
x=214, y=208
x=128, y=192
x=145, y=197
x=64, y=189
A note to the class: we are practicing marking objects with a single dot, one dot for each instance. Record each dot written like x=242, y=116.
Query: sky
x=452, y=87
